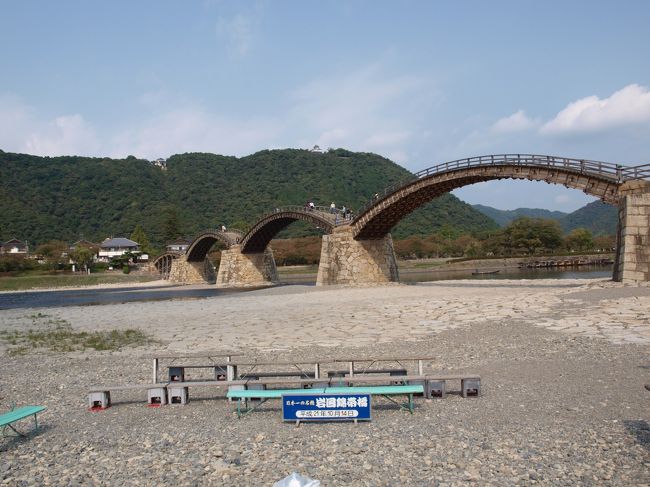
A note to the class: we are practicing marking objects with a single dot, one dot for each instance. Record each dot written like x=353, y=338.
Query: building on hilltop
x=117, y=247
x=317, y=149
x=161, y=163
x=14, y=247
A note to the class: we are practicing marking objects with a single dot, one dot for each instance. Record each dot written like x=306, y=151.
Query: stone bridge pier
x=238, y=269
x=186, y=272
x=344, y=260
x=633, y=235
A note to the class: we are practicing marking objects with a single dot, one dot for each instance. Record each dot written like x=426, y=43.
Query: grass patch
x=57, y=335
x=35, y=281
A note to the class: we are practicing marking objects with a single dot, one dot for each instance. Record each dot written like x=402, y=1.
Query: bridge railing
x=616, y=172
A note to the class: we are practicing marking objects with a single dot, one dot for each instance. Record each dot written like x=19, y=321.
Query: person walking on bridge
x=332, y=208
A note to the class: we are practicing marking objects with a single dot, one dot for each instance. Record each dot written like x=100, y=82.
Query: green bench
x=264, y=395
x=7, y=419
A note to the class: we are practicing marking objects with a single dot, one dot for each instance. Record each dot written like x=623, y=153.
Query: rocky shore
x=563, y=403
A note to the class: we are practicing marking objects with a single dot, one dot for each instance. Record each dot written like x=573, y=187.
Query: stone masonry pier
x=344, y=260
x=186, y=272
x=633, y=239
x=246, y=270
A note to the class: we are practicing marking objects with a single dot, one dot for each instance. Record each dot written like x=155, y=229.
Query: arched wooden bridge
x=163, y=263
x=271, y=223
x=204, y=241
x=376, y=219
x=600, y=179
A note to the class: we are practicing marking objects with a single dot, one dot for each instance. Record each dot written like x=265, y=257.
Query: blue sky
x=420, y=82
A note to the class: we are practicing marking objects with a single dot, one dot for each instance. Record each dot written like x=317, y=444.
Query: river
x=95, y=296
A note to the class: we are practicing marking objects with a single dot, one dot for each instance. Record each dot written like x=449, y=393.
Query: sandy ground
x=284, y=317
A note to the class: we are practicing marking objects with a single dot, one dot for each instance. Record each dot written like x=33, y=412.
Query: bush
x=126, y=269
x=13, y=264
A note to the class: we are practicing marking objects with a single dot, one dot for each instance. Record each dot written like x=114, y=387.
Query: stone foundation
x=633, y=239
x=186, y=272
x=246, y=270
x=344, y=260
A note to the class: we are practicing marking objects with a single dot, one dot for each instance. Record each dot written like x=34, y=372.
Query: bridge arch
x=163, y=263
x=270, y=224
x=203, y=242
x=599, y=179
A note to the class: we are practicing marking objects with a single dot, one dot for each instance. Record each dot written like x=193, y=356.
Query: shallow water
x=90, y=297
x=582, y=272
x=418, y=275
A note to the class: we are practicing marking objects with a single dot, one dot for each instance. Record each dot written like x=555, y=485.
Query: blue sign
x=317, y=407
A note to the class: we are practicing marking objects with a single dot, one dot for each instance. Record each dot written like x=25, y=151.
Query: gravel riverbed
x=556, y=408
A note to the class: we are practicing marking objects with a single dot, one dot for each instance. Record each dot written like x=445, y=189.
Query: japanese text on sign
x=326, y=406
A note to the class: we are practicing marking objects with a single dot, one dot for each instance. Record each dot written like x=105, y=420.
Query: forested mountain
x=44, y=198
x=597, y=217
x=503, y=217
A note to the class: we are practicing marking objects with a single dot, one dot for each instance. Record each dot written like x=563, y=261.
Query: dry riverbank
x=563, y=362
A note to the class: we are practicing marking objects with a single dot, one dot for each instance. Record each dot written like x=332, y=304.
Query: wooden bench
x=259, y=375
x=343, y=373
x=177, y=372
x=370, y=361
x=7, y=419
x=99, y=397
x=178, y=392
x=434, y=384
x=265, y=395
x=210, y=355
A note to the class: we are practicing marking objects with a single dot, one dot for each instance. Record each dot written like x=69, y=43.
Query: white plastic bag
x=297, y=480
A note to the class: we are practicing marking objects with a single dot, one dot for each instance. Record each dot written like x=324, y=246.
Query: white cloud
x=517, y=122
x=361, y=110
x=364, y=110
x=22, y=129
x=66, y=134
x=240, y=31
x=562, y=199
x=630, y=105
x=191, y=129
x=386, y=139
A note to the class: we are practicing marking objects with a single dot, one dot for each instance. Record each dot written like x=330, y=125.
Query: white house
x=116, y=247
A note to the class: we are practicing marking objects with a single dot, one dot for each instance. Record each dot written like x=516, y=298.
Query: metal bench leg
x=407, y=407
x=18, y=433
x=246, y=411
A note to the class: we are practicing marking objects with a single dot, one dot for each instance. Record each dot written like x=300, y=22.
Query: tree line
x=522, y=237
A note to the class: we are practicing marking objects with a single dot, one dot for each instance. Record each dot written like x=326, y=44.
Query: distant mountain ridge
x=597, y=217
x=504, y=217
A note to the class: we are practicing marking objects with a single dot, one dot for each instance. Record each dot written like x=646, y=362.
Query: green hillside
x=46, y=198
x=597, y=217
